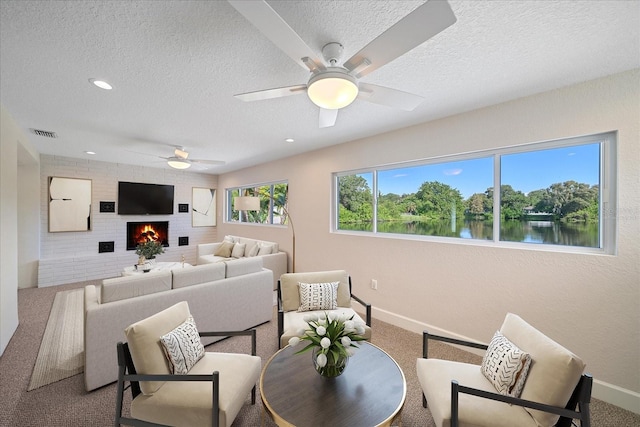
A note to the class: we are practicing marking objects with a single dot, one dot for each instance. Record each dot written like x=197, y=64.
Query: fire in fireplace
x=141, y=232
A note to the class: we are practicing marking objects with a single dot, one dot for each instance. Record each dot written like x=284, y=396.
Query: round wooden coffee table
x=370, y=392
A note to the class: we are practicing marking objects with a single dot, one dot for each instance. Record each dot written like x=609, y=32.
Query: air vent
x=45, y=133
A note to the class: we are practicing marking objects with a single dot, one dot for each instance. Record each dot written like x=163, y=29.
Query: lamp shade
x=332, y=90
x=178, y=163
x=246, y=203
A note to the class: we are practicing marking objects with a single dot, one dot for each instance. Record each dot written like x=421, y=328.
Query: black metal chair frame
x=127, y=373
x=576, y=408
x=367, y=307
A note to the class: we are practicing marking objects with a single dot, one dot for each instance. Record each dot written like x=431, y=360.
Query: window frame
x=608, y=198
x=228, y=200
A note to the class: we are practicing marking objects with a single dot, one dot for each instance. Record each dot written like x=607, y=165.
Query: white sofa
x=225, y=296
x=236, y=247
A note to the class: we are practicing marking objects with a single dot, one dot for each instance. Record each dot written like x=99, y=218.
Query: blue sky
x=525, y=171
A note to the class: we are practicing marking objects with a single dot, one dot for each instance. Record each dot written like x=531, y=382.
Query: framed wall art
x=203, y=207
x=69, y=204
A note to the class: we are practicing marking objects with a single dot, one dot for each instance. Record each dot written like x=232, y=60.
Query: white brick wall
x=73, y=256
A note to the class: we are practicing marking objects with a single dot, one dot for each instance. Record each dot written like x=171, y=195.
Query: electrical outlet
x=374, y=284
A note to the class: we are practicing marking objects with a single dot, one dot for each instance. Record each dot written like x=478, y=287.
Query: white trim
x=610, y=393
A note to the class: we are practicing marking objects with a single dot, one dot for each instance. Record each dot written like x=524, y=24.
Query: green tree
x=439, y=201
x=512, y=202
x=477, y=203
x=356, y=197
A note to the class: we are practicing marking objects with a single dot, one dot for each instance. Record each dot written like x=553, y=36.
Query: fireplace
x=141, y=232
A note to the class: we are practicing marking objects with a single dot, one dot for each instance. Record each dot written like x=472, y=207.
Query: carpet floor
x=66, y=403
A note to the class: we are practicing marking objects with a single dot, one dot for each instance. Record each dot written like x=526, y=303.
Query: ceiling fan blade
x=208, y=162
x=269, y=23
x=327, y=118
x=272, y=93
x=390, y=97
x=414, y=29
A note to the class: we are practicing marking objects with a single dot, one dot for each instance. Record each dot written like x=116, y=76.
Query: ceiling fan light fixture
x=332, y=90
x=178, y=163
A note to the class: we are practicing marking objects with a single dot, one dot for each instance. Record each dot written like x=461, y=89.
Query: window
x=272, y=204
x=552, y=194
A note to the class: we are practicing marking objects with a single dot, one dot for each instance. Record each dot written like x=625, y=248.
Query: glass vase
x=333, y=368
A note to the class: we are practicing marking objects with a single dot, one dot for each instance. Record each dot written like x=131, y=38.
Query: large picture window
x=552, y=194
x=272, y=207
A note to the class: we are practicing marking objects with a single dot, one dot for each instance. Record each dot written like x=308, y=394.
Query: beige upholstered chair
x=211, y=393
x=291, y=321
x=555, y=389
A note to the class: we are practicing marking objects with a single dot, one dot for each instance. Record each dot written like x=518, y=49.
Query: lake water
x=545, y=232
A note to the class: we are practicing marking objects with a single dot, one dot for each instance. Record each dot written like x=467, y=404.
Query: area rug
x=61, y=353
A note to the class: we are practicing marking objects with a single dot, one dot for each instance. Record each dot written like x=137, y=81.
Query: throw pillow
x=264, y=249
x=318, y=296
x=183, y=347
x=224, y=250
x=505, y=365
x=254, y=250
x=238, y=250
x=229, y=239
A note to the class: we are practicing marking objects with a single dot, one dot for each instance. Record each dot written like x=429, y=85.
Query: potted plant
x=332, y=339
x=149, y=250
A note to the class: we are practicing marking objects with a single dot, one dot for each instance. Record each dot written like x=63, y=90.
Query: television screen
x=136, y=198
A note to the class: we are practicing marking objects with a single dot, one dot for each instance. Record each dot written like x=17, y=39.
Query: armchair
x=555, y=391
x=291, y=321
x=211, y=393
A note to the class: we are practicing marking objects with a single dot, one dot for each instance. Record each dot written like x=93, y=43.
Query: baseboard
x=626, y=399
x=610, y=393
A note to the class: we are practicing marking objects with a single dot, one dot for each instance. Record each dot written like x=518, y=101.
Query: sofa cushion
x=554, y=371
x=435, y=377
x=505, y=365
x=318, y=296
x=224, y=250
x=144, y=343
x=240, y=267
x=238, y=250
x=119, y=288
x=183, y=277
x=264, y=249
x=182, y=347
x=252, y=250
x=182, y=403
x=290, y=293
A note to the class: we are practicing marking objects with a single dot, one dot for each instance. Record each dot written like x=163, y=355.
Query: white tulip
x=331, y=317
x=321, y=330
x=349, y=324
x=351, y=351
x=311, y=317
x=321, y=360
x=346, y=341
x=360, y=330
x=294, y=341
x=325, y=342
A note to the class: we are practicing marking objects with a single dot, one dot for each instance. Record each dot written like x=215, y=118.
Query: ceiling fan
x=180, y=160
x=335, y=86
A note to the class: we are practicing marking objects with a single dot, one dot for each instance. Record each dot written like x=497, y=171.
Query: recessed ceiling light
x=90, y=152
x=289, y=140
x=101, y=84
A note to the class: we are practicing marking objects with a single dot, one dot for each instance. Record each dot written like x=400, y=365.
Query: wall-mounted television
x=136, y=198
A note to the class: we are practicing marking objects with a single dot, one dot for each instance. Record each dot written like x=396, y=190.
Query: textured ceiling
x=175, y=66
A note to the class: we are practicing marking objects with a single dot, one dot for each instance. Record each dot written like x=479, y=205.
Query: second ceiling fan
x=333, y=86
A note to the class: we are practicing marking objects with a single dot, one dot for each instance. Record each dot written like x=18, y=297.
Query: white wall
x=589, y=303
x=28, y=217
x=13, y=145
x=73, y=256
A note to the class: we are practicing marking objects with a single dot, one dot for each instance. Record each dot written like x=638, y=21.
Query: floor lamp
x=252, y=203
